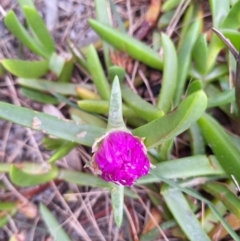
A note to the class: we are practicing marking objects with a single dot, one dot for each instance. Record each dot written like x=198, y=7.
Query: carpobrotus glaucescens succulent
x=120, y=158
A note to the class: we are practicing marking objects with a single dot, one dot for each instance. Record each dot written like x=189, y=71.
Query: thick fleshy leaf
x=38, y=96
x=101, y=7
x=22, y=35
x=28, y=3
x=219, y=10
x=197, y=141
x=62, y=151
x=232, y=20
x=54, y=228
x=169, y=5
x=84, y=117
x=97, y=73
x=139, y=105
x=192, y=193
x=67, y=69
x=50, y=86
x=222, y=192
x=36, y=174
x=184, y=57
x=61, y=128
x=171, y=125
x=115, y=118
x=39, y=29
x=169, y=79
x=222, y=98
x=116, y=70
x=102, y=107
x=26, y=69
x=56, y=64
x=221, y=145
x=186, y=167
x=117, y=195
x=127, y=44
x=184, y=215
x=200, y=52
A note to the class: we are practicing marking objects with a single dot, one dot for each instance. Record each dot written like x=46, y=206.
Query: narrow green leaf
x=221, y=145
x=26, y=69
x=97, y=73
x=117, y=197
x=116, y=70
x=165, y=149
x=81, y=116
x=77, y=54
x=222, y=98
x=67, y=69
x=55, y=229
x=4, y=167
x=204, y=200
x=232, y=20
x=102, y=107
x=184, y=215
x=52, y=87
x=37, y=96
x=62, y=151
x=35, y=176
x=56, y=64
x=169, y=79
x=200, y=53
x=22, y=35
x=194, y=86
x=28, y=3
x=228, y=198
x=188, y=18
x=169, y=5
x=186, y=167
x=184, y=58
x=171, y=125
x=6, y=206
x=140, y=106
x=216, y=72
x=84, y=179
x=101, y=8
x=39, y=29
x=197, y=142
x=52, y=143
x=61, y=128
x=115, y=119
x=219, y=10
x=127, y=44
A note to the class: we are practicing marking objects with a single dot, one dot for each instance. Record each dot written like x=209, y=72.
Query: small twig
x=227, y=42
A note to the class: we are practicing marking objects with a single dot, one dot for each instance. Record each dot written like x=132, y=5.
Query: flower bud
x=120, y=158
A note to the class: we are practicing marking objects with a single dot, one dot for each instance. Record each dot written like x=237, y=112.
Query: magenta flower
x=120, y=158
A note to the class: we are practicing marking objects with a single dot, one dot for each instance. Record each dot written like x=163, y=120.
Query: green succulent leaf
x=169, y=79
x=169, y=126
x=223, y=193
x=221, y=145
x=16, y=28
x=39, y=29
x=61, y=128
x=97, y=73
x=117, y=197
x=26, y=69
x=127, y=44
x=55, y=229
x=35, y=175
x=184, y=215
